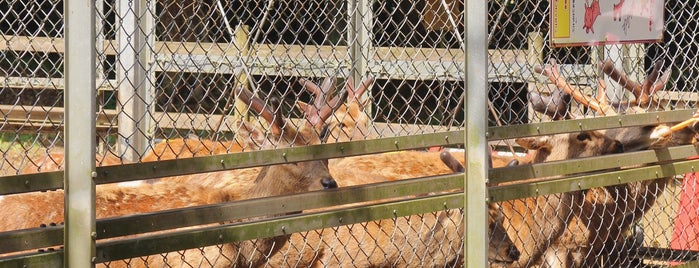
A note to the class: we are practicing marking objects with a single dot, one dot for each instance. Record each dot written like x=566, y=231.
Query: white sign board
x=595, y=22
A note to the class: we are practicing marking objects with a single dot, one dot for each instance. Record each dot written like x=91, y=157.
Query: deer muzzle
x=328, y=183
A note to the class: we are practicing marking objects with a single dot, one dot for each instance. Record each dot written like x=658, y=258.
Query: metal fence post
x=359, y=41
x=476, y=75
x=80, y=133
x=135, y=40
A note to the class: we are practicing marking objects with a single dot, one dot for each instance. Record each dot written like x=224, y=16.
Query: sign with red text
x=595, y=22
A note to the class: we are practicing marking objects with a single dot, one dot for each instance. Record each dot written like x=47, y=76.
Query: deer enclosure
x=347, y=133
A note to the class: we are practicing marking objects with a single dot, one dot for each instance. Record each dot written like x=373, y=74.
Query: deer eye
x=583, y=136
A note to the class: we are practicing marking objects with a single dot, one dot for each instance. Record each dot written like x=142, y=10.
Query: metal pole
x=80, y=133
x=135, y=76
x=359, y=41
x=475, y=179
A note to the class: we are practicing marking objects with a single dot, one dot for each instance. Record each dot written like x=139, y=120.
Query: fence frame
x=81, y=165
x=80, y=63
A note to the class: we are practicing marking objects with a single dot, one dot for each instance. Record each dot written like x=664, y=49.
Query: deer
x=430, y=239
x=523, y=217
x=607, y=213
x=350, y=122
x=386, y=239
x=288, y=178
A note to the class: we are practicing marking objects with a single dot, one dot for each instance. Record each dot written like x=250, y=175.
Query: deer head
x=583, y=144
x=295, y=177
x=589, y=231
x=634, y=138
x=287, y=178
x=349, y=121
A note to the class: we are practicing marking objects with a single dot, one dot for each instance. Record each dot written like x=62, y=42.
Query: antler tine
x=551, y=71
x=355, y=93
x=451, y=162
x=275, y=120
x=654, y=83
x=325, y=89
x=620, y=77
x=555, y=106
x=330, y=107
x=310, y=86
x=322, y=108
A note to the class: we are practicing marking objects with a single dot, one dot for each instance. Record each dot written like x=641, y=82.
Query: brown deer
x=431, y=239
x=398, y=243
x=607, y=213
x=350, y=122
x=535, y=223
x=28, y=209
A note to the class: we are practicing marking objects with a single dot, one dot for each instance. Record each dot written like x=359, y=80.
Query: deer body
x=524, y=217
x=607, y=213
x=270, y=181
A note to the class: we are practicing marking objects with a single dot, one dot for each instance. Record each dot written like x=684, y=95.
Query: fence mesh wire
x=168, y=71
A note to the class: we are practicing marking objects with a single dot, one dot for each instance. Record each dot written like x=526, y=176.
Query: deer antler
x=551, y=71
x=451, y=162
x=356, y=93
x=323, y=107
x=645, y=92
x=256, y=104
x=555, y=106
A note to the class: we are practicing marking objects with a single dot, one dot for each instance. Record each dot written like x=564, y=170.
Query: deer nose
x=512, y=252
x=328, y=183
x=618, y=147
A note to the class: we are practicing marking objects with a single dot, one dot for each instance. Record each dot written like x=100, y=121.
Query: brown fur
x=606, y=214
x=54, y=161
x=271, y=180
x=536, y=223
x=30, y=210
x=187, y=148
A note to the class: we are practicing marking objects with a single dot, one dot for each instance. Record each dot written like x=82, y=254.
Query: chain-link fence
x=179, y=79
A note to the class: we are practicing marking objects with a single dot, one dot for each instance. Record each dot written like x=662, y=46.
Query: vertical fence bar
x=476, y=86
x=80, y=133
x=359, y=41
x=135, y=84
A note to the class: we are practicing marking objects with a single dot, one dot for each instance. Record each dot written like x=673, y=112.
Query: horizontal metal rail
x=589, y=164
x=128, y=172
x=218, y=213
x=583, y=182
x=596, y=123
x=132, y=247
x=300, y=60
x=212, y=235
x=201, y=215
x=166, y=168
x=159, y=221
